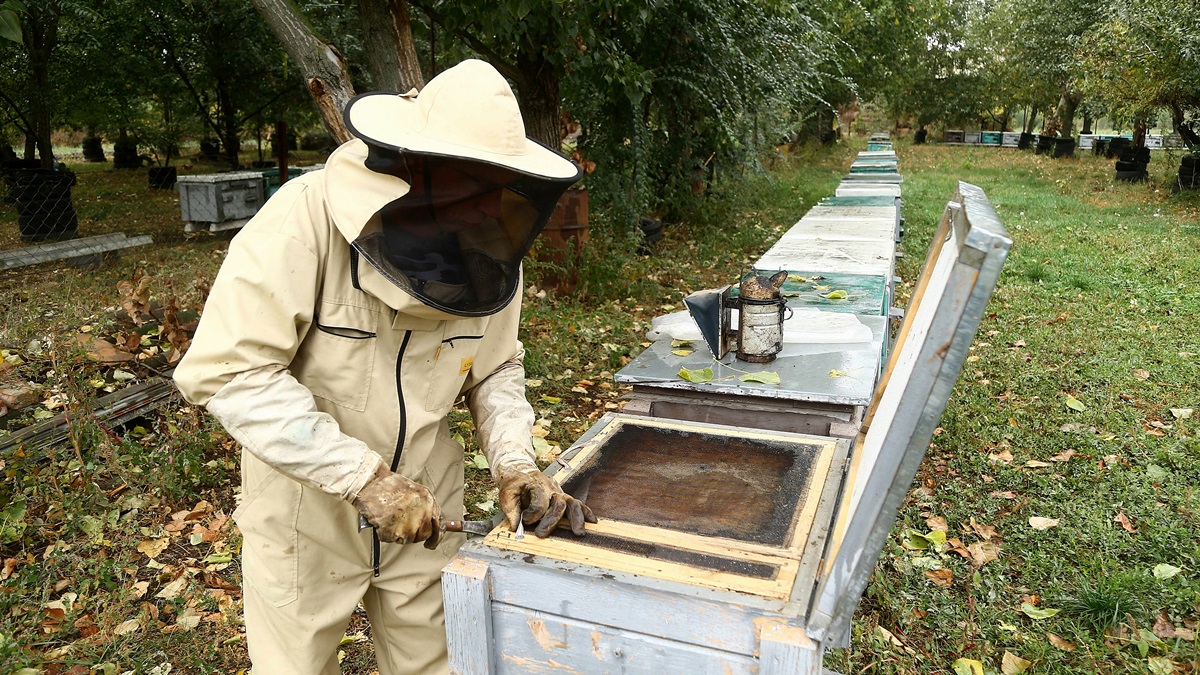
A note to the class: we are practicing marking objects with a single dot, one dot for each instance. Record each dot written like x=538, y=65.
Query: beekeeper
x=350, y=314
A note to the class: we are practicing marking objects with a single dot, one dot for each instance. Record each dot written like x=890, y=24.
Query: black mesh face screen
x=456, y=240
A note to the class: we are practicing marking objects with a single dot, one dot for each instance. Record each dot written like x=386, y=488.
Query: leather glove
x=400, y=510
x=534, y=497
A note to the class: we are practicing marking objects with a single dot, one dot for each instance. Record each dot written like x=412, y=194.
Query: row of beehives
x=1011, y=139
x=840, y=258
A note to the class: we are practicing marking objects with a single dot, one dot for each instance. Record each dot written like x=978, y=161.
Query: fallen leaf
x=682, y=352
x=173, y=589
x=984, y=531
x=968, y=667
x=553, y=400
x=942, y=577
x=1160, y=665
x=983, y=552
x=153, y=547
x=937, y=523
x=138, y=589
x=1033, y=599
x=1164, y=571
x=189, y=619
x=1038, y=523
x=1037, y=464
x=1061, y=643
x=1140, y=373
x=1038, y=612
x=1075, y=404
x=1064, y=456
x=1002, y=457
x=127, y=627
x=835, y=373
x=1011, y=664
x=1182, y=413
x=10, y=564
x=1007, y=494
x=1123, y=520
x=837, y=295
x=1163, y=627
x=762, y=378
x=698, y=375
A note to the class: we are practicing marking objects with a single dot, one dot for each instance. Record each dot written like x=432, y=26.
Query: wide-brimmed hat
x=467, y=111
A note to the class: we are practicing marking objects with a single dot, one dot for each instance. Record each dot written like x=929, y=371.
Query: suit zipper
x=399, y=439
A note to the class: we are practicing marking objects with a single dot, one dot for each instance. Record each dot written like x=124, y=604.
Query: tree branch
x=506, y=69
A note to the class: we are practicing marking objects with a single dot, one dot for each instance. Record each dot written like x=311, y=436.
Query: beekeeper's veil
x=472, y=191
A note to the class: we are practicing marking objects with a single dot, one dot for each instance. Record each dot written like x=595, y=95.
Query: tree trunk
x=1031, y=122
x=1176, y=116
x=40, y=33
x=1087, y=124
x=538, y=93
x=230, y=139
x=388, y=42
x=1065, y=113
x=323, y=66
x=1139, y=132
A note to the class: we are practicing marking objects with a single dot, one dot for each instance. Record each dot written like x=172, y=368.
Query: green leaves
x=1164, y=571
x=1075, y=404
x=698, y=375
x=1038, y=613
x=12, y=521
x=10, y=23
x=761, y=378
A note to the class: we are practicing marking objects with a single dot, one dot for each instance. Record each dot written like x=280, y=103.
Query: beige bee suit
x=321, y=381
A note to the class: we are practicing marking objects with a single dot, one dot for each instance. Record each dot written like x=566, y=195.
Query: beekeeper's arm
x=260, y=308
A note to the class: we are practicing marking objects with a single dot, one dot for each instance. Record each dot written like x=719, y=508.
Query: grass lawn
x=1075, y=408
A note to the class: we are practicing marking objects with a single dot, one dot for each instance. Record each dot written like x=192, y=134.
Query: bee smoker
x=761, y=307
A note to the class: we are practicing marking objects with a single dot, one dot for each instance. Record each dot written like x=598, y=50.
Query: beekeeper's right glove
x=401, y=511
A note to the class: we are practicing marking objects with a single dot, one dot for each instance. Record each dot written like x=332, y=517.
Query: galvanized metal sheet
x=849, y=257
x=874, y=177
x=884, y=200
x=843, y=229
x=832, y=373
x=852, y=212
x=848, y=190
x=865, y=294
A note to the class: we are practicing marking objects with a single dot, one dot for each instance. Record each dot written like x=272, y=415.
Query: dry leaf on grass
x=984, y=531
x=1060, y=643
x=1012, y=664
x=153, y=547
x=983, y=552
x=1038, y=523
x=942, y=577
x=937, y=523
x=1123, y=520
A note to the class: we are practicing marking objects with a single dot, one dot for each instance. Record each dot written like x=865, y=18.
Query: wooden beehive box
x=725, y=549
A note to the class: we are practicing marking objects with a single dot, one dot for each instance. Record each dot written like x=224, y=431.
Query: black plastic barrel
x=1064, y=147
x=93, y=149
x=162, y=177
x=1044, y=145
x=44, y=209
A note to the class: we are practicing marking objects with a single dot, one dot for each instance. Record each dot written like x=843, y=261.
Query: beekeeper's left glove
x=533, y=497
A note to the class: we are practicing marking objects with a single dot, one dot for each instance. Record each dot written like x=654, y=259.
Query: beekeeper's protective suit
x=349, y=315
